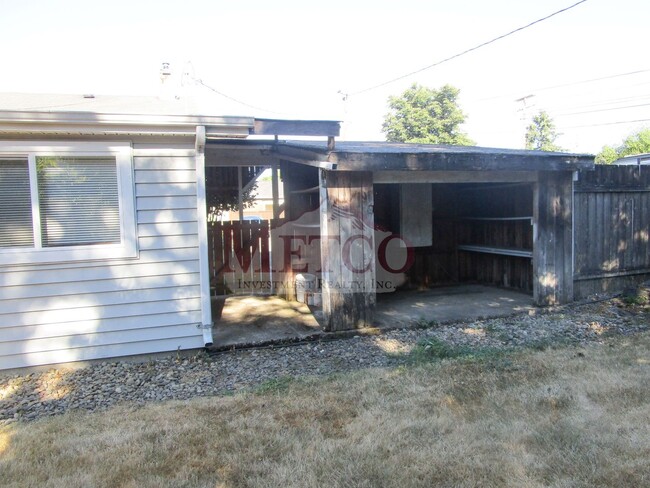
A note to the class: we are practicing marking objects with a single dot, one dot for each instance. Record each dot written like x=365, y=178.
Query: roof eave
x=88, y=123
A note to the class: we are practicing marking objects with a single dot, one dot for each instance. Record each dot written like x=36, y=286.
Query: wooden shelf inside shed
x=498, y=219
x=503, y=251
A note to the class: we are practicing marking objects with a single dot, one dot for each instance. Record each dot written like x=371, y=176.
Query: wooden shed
x=467, y=214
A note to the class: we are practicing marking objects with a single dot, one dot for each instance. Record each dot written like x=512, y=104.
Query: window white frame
x=122, y=152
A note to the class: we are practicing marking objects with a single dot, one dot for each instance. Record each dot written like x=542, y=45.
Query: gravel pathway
x=100, y=385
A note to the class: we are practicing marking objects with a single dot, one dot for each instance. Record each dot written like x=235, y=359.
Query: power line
x=592, y=80
x=604, y=103
x=620, y=122
x=469, y=50
x=200, y=82
x=574, y=83
x=602, y=110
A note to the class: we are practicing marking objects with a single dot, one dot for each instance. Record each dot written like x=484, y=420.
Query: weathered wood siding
x=86, y=310
x=612, y=228
x=347, y=249
x=553, y=239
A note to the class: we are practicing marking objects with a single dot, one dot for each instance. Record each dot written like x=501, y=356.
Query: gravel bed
x=101, y=385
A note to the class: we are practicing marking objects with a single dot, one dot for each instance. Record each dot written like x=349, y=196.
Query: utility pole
x=525, y=112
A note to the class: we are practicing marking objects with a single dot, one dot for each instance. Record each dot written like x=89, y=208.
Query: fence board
x=612, y=212
x=238, y=251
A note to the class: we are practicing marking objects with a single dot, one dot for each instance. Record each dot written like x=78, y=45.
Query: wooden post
x=240, y=194
x=275, y=190
x=347, y=249
x=553, y=239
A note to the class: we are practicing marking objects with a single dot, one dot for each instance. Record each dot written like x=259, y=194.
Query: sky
x=587, y=67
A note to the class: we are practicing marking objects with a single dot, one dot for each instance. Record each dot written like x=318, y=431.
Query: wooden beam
x=613, y=274
x=248, y=185
x=313, y=164
x=455, y=161
x=240, y=194
x=331, y=143
x=234, y=155
x=275, y=191
x=275, y=127
x=502, y=251
x=606, y=178
x=454, y=177
x=305, y=156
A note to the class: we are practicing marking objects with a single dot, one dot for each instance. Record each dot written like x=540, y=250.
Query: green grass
x=434, y=349
x=275, y=385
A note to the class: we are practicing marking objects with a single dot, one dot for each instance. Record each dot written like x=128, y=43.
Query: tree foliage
x=223, y=194
x=637, y=143
x=426, y=116
x=541, y=134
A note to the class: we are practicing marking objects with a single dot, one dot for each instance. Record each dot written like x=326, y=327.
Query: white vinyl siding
x=78, y=201
x=16, y=225
x=69, y=311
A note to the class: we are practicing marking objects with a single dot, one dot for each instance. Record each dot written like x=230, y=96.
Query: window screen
x=16, y=228
x=78, y=199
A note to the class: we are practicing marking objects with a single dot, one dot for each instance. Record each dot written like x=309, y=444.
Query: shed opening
x=481, y=233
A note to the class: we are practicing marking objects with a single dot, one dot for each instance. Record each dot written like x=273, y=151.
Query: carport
x=461, y=215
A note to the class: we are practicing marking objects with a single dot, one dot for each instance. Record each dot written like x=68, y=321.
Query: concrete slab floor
x=248, y=320
x=449, y=304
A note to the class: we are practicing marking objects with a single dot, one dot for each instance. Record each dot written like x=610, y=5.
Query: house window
x=16, y=228
x=78, y=201
x=65, y=202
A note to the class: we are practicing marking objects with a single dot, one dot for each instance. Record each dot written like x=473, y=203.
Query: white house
x=102, y=224
x=637, y=159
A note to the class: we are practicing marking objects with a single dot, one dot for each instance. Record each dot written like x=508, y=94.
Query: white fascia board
x=122, y=124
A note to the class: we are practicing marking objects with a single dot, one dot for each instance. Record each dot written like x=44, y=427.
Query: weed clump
x=636, y=297
x=434, y=349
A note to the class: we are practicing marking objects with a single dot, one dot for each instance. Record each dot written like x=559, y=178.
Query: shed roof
x=386, y=156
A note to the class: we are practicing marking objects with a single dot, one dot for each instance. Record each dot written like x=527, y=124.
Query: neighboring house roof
x=634, y=159
x=56, y=114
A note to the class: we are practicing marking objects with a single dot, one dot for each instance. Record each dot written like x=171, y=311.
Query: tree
x=223, y=193
x=426, y=116
x=607, y=155
x=637, y=143
x=541, y=134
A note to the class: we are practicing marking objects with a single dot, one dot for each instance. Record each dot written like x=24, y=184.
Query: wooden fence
x=612, y=228
x=239, y=256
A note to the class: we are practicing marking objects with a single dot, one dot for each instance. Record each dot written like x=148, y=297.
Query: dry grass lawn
x=566, y=417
